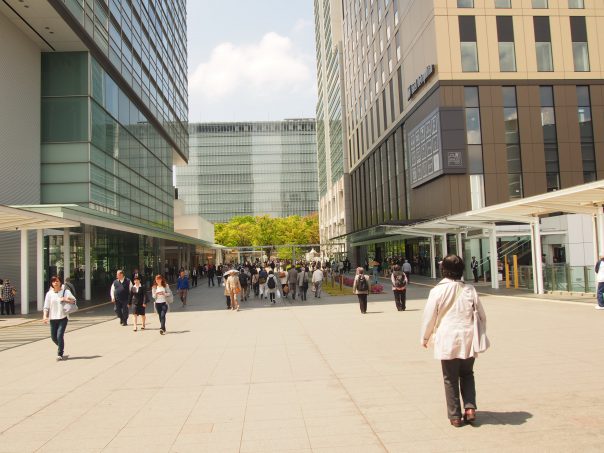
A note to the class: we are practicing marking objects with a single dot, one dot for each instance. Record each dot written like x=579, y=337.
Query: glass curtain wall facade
x=255, y=168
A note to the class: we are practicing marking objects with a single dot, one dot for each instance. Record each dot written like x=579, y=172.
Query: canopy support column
x=459, y=245
x=39, y=270
x=443, y=245
x=493, y=258
x=87, y=266
x=537, y=259
x=600, y=222
x=66, y=254
x=24, y=273
x=432, y=257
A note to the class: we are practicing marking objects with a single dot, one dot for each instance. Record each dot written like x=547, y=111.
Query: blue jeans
x=57, y=332
x=600, y=296
x=162, y=309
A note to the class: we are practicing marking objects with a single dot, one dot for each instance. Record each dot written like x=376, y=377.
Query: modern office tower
x=252, y=168
x=334, y=176
x=93, y=118
x=452, y=105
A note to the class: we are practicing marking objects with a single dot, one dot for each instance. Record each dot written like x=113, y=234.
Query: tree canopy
x=245, y=231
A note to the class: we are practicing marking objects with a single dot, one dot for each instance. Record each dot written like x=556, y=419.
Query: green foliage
x=265, y=230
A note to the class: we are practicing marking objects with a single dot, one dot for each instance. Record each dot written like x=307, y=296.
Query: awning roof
x=75, y=215
x=15, y=219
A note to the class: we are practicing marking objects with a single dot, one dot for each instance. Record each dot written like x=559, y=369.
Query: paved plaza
x=312, y=377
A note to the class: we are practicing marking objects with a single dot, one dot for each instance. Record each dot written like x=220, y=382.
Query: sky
x=251, y=60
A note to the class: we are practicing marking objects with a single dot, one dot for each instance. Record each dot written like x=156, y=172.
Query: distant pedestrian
x=317, y=281
x=449, y=317
x=407, y=270
x=399, y=287
x=255, y=284
x=303, y=282
x=55, y=313
x=8, y=297
x=194, y=276
x=182, y=287
x=244, y=280
x=262, y=277
x=120, y=293
x=70, y=286
x=211, y=274
x=292, y=281
x=219, y=272
x=360, y=287
x=233, y=286
x=162, y=295
x=138, y=298
x=474, y=267
x=600, y=279
x=227, y=295
x=272, y=285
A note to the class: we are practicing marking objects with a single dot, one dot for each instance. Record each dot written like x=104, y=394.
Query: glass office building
x=253, y=168
x=97, y=96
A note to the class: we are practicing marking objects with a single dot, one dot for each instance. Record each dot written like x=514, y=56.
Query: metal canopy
x=15, y=219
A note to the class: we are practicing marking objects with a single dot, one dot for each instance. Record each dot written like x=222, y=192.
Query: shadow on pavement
x=84, y=357
x=501, y=418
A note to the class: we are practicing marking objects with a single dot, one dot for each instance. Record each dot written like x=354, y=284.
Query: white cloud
x=302, y=25
x=269, y=67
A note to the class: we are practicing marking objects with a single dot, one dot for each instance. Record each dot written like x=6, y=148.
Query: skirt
x=139, y=310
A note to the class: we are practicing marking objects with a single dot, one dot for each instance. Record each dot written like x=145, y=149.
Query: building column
x=24, y=274
x=432, y=257
x=443, y=245
x=600, y=221
x=39, y=270
x=493, y=258
x=87, y=267
x=536, y=230
x=66, y=254
x=459, y=247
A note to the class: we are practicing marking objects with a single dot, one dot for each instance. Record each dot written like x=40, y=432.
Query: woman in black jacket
x=138, y=298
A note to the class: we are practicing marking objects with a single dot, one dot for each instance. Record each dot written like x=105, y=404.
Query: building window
x=465, y=3
x=469, y=49
x=578, y=32
x=543, y=44
x=395, y=7
x=507, y=51
x=550, y=138
x=512, y=142
x=503, y=3
x=587, y=134
x=474, y=140
x=576, y=4
x=540, y=4
x=398, y=45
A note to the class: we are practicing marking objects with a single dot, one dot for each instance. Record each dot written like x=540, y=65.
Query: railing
x=560, y=277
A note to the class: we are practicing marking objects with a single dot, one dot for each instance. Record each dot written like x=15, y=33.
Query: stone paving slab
x=305, y=377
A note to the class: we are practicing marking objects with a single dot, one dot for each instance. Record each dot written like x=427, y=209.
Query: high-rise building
x=334, y=177
x=93, y=118
x=453, y=105
x=250, y=168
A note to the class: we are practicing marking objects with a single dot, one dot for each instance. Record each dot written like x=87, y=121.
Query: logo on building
x=420, y=81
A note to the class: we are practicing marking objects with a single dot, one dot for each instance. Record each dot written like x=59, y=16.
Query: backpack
x=400, y=281
x=362, y=284
x=262, y=277
x=243, y=279
x=271, y=282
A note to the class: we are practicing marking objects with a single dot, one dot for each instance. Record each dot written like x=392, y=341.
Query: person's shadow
x=84, y=357
x=501, y=418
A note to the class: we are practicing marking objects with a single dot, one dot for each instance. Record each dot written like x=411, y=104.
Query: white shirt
x=406, y=267
x=600, y=273
x=317, y=276
x=112, y=291
x=53, y=304
x=159, y=298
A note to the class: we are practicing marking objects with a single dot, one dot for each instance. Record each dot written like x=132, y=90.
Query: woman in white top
x=160, y=292
x=54, y=301
x=449, y=316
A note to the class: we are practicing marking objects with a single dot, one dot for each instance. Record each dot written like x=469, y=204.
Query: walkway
x=318, y=377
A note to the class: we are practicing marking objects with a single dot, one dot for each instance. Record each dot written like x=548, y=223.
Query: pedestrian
x=1, y=299
x=600, y=279
x=69, y=285
x=8, y=297
x=292, y=281
x=399, y=287
x=360, y=287
x=211, y=274
x=162, y=295
x=55, y=313
x=375, y=271
x=273, y=285
x=120, y=293
x=449, y=318
x=135, y=273
x=244, y=281
x=194, y=276
x=255, y=284
x=407, y=270
x=283, y=283
x=233, y=286
x=303, y=282
x=138, y=298
x=317, y=281
x=219, y=271
x=474, y=267
x=182, y=287
x=262, y=277
x=227, y=294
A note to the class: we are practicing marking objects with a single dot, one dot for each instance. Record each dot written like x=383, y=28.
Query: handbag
x=68, y=308
x=169, y=295
x=480, y=341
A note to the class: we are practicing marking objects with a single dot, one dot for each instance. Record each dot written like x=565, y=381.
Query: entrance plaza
x=308, y=377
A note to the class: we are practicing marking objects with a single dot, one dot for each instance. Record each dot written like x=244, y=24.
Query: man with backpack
x=271, y=283
x=399, y=287
x=244, y=279
x=262, y=276
x=360, y=287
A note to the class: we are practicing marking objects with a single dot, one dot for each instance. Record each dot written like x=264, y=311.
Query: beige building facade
x=453, y=105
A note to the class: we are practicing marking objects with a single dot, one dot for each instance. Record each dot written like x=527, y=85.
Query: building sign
x=425, y=153
x=420, y=81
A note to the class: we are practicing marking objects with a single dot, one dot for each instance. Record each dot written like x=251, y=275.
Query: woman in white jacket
x=449, y=316
x=54, y=311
